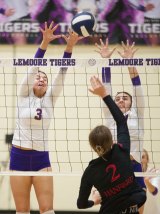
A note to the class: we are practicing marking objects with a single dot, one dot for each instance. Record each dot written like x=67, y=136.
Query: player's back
x=113, y=177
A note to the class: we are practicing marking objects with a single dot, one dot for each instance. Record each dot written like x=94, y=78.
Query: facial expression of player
x=40, y=84
x=123, y=101
x=144, y=159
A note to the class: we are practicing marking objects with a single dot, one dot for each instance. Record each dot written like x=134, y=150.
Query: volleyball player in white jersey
x=131, y=106
x=30, y=142
x=152, y=204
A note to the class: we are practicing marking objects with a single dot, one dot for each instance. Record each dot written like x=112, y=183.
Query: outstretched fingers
x=133, y=44
x=64, y=37
x=113, y=50
x=51, y=25
x=55, y=27
x=93, y=82
x=135, y=51
x=102, y=44
x=123, y=45
x=93, y=85
x=107, y=42
x=45, y=26
x=99, y=47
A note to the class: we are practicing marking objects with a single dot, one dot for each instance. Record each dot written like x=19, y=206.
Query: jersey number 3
x=113, y=168
x=39, y=114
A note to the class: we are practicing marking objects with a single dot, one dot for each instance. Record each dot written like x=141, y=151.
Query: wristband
x=155, y=191
x=106, y=75
x=2, y=11
x=136, y=81
x=40, y=53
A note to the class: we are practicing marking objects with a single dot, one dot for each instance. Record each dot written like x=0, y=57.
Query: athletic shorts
x=28, y=160
x=138, y=168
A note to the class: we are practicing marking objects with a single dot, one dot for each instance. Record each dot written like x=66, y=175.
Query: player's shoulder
x=94, y=161
x=92, y=166
x=117, y=146
x=118, y=149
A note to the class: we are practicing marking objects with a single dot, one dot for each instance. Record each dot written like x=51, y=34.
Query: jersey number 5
x=113, y=168
x=39, y=114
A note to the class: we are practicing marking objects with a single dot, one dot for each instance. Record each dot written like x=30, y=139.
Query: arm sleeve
x=106, y=79
x=122, y=128
x=40, y=53
x=138, y=97
x=57, y=84
x=2, y=11
x=27, y=83
x=136, y=5
x=84, y=193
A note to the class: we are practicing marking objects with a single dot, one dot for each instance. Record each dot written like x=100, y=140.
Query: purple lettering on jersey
x=39, y=114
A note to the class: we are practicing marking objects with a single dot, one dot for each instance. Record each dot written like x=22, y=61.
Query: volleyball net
x=76, y=110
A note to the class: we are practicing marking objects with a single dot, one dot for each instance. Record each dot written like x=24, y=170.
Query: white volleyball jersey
x=21, y=8
x=34, y=114
x=152, y=204
x=135, y=121
x=155, y=12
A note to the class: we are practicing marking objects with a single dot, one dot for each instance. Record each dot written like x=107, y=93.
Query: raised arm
x=138, y=96
x=106, y=79
x=48, y=36
x=123, y=138
x=122, y=128
x=105, y=52
x=7, y=12
x=57, y=85
x=151, y=188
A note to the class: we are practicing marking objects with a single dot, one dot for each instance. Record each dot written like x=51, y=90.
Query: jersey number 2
x=113, y=168
x=39, y=114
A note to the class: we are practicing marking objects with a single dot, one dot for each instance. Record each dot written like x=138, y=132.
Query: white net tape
x=42, y=173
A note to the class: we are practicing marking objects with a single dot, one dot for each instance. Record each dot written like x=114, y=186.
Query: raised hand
x=97, y=87
x=48, y=33
x=104, y=50
x=9, y=12
x=149, y=7
x=128, y=50
x=152, y=170
x=71, y=40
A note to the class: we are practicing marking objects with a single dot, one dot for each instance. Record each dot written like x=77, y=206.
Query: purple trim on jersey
x=138, y=7
x=138, y=168
x=106, y=75
x=67, y=55
x=155, y=191
x=136, y=81
x=2, y=11
x=141, y=8
x=28, y=160
x=40, y=53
